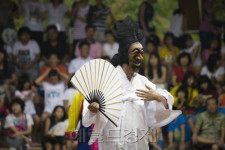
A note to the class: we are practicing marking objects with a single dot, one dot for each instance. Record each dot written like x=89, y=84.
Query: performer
x=144, y=106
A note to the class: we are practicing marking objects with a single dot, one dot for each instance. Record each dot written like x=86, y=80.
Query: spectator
x=193, y=48
x=155, y=72
x=7, y=76
x=84, y=57
x=80, y=13
x=18, y=125
x=184, y=65
x=213, y=46
x=53, y=90
x=26, y=54
x=51, y=139
x=28, y=93
x=145, y=17
x=95, y=47
x=53, y=63
x=110, y=47
x=177, y=23
x=188, y=83
x=69, y=96
x=209, y=129
x=213, y=69
x=56, y=11
x=177, y=136
x=182, y=96
x=33, y=12
x=99, y=15
x=54, y=45
x=221, y=102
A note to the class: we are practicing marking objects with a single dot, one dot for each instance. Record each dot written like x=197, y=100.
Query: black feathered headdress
x=127, y=33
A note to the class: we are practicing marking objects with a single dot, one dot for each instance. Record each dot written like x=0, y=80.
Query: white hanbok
x=136, y=117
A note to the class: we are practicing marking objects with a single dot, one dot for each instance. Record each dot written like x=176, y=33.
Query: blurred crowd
x=37, y=62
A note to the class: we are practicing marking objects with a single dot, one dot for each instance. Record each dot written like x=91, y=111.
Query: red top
x=179, y=73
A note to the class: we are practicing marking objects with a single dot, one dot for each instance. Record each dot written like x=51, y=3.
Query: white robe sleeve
x=156, y=114
x=90, y=118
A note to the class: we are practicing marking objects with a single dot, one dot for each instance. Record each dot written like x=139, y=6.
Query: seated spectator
x=209, y=129
x=169, y=51
x=182, y=96
x=100, y=12
x=26, y=54
x=184, y=65
x=52, y=139
x=53, y=89
x=213, y=69
x=53, y=62
x=84, y=57
x=95, y=47
x=221, y=103
x=156, y=72
x=110, y=47
x=28, y=93
x=18, y=125
x=54, y=45
x=151, y=46
x=177, y=136
x=206, y=89
x=213, y=49
x=57, y=11
x=33, y=12
x=69, y=96
x=187, y=83
x=193, y=48
x=7, y=76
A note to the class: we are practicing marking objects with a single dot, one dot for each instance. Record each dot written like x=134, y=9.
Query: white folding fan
x=98, y=81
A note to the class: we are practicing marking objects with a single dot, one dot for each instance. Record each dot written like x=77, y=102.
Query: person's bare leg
x=191, y=123
x=36, y=126
x=48, y=146
x=57, y=146
x=204, y=140
x=44, y=116
x=215, y=147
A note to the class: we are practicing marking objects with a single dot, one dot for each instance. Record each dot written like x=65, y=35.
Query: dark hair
x=54, y=53
x=182, y=55
x=52, y=118
x=187, y=75
x=23, y=30
x=111, y=33
x=53, y=72
x=60, y=1
x=5, y=62
x=184, y=38
x=17, y=101
x=168, y=34
x=178, y=11
x=211, y=98
x=204, y=79
x=106, y=58
x=52, y=27
x=154, y=40
x=82, y=43
x=183, y=89
x=88, y=26
x=150, y=67
x=24, y=78
x=212, y=60
x=120, y=58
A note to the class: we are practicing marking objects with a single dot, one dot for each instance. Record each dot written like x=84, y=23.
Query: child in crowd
x=213, y=47
x=53, y=90
x=26, y=54
x=182, y=95
x=53, y=62
x=18, y=125
x=29, y=95
x=110, y=47
x=52, y=139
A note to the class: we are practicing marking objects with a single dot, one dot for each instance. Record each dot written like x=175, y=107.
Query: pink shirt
x=95, y=50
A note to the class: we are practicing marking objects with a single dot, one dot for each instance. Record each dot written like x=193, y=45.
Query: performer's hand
x=147, y=95
x=94, y=107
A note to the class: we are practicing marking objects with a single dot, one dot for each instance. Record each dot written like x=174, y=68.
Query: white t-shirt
x=53, y=95
x=111, y=50
x=56, y=15
x=26, y=53
x=176, y=22
x=69, y=95
x=198, y=60
x=76, y=63
x=31, y=19
x=11, y=121
x=217, y=74
x=29, y=104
